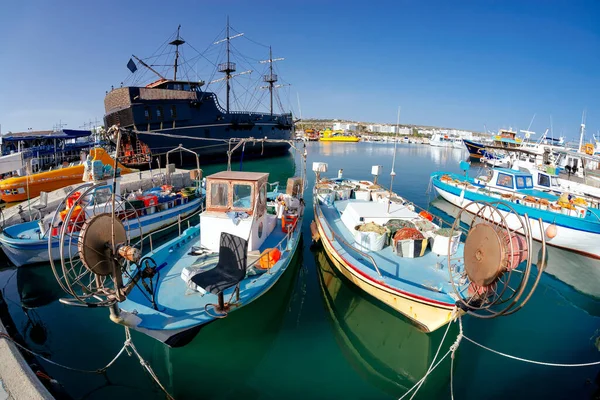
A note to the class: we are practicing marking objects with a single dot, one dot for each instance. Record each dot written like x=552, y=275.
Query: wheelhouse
x=509, y=179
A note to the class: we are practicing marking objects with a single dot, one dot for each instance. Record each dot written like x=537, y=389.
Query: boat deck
x=179, y=307
x=425, y=277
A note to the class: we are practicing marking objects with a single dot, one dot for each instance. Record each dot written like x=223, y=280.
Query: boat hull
x=426, y=315
x=23, y=252
x=568, y=237
x=28, y=187
x=177, y=328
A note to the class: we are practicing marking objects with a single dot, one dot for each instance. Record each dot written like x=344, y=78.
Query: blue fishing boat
x=567, y=222
x=40, y=241
x=237, y=252
x=378, y=241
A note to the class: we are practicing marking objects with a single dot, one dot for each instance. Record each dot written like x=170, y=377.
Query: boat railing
x=340, y=239
x=181, y=222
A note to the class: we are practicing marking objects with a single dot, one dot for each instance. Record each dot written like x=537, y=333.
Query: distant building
x=345, y=126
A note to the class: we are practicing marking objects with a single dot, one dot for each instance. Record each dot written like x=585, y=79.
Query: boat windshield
x=219, y=194
x=524, y=182
x=242, y=195
x=543, y=180
x=505, y=180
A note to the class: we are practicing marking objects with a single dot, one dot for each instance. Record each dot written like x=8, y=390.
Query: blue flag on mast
x=131, y=65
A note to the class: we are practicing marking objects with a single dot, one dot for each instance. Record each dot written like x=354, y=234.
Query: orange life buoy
x=426, y=215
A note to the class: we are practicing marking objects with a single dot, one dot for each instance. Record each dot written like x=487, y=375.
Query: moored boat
x=27, y=187
x=568, y=223
x=334, y=136
x=238, y=251
x=39, y=241
x=179, y=110
x=378, y=241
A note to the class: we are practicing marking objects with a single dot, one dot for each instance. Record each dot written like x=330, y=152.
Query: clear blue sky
x=459, y=64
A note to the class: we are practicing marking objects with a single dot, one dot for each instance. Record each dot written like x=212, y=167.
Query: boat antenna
x=177, y=42
x=393, y=173
x=270, y=78
x=582, y=131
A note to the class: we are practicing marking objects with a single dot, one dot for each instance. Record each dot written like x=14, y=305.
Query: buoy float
x=551, y=231
x=426, y=215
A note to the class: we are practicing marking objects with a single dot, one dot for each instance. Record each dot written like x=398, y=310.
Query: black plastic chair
x=229, y=271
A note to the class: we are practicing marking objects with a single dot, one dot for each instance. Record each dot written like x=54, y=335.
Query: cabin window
x=543, y=180
x=505, y=180
x=177, y=86
x=261, y=207
x=159, y=113
x=554, y=181
x=219, y=194
x=242, y=195
x=520, y=182
x=147, y=113
x=528, y=182
x=173, y=112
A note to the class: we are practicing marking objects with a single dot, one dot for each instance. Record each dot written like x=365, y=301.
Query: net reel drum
x=95, y=248
x=497, y=261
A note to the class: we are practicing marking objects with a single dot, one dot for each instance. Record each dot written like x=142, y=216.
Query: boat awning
x=64, y=134
x=11, y=162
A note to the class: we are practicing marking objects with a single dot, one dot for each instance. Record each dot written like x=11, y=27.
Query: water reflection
x=228, y=351
x=380, y=344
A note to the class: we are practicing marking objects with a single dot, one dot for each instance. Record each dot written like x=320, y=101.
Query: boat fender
x=269, y=258
x=551, y=231
x=426, y=215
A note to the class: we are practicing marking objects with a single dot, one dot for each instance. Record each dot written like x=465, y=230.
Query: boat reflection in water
x=37, y=286
x=576, y=270
x=229, y=351
x=380, y=344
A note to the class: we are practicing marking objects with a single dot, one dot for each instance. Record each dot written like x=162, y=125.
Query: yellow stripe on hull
x=427, y=317
x=340, y=139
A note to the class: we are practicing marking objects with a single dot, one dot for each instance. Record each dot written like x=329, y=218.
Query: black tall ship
x=162, y=115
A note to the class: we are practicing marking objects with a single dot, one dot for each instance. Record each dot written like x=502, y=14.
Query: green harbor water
x=314, y=335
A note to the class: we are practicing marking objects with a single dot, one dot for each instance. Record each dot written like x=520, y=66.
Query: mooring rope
x=128, y=344
x=547, y=364
x=433, y=364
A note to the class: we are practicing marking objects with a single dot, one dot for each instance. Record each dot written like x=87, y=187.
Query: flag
x=131, y=65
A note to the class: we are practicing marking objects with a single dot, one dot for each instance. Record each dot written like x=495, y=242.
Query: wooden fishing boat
x=238, y=251
x=21, y=188
x=378, y=241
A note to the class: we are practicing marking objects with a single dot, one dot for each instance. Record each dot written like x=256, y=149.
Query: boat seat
x=229, y=271
x=43, y=202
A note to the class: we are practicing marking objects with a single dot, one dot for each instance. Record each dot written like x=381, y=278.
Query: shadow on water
x=380, y=344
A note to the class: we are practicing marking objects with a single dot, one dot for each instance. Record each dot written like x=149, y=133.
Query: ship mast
x=177, y=42
x=270, y=78
x=228, y=67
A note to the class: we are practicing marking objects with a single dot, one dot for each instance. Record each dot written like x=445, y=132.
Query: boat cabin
x=510, y=179
x=236, y=203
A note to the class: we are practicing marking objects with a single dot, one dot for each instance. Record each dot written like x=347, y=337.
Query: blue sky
x=462, y=64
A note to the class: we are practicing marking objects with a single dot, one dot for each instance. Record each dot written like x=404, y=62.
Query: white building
x=345, y=126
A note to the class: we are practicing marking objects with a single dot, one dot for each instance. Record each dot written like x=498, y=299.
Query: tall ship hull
x=162, y=118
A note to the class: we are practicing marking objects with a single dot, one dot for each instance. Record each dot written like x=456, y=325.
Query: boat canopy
x=63, y=134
